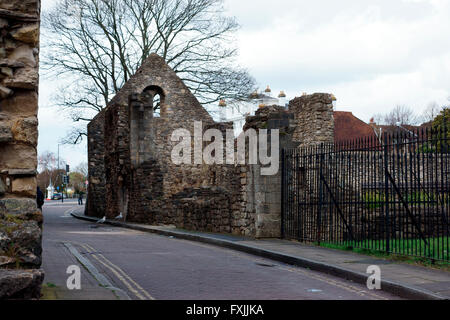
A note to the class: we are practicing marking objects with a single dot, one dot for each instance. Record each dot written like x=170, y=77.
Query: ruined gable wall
x=20, y=220
x=155, y=176
x=180, y=110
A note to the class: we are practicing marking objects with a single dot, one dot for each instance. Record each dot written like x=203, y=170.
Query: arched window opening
x=155, y=97
x=157, y=106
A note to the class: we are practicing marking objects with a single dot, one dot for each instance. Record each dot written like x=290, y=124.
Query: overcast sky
x=372, y=55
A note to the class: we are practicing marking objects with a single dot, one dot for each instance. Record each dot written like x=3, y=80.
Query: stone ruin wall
x=20, y=220
x=139, y=179
x=235, y=199
x=219, y=198
x=96, y=204
x=314, y=117
x=214, y=206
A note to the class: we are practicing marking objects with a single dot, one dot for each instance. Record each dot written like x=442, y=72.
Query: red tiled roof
x=389, y=129
x=347, y=127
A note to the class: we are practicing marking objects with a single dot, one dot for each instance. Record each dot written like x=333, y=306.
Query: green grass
x=374, y=200
x=10, y=223
x=421, y=197
x=408, y=250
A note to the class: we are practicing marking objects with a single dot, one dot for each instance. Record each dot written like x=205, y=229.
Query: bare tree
x=47, y=162
x=401, y=114
x=82, y=168
x=378, y=118
x=48, y=170
x=100, y=44
x=431, y=112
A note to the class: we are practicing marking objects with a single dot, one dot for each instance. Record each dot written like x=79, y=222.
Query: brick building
x=348, y=127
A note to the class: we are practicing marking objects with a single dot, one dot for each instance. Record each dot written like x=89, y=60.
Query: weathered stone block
x=21, y=10
x=2, y=187
x=11, y=64
x=273, y=197
x=9, y=156
x=20, y=240
x=26, y=130
x=24, y=186
x=3, y=23
x=6, y=261
x=9, y=45
x=260, y=197
x=28, y=34
x=5, y=133
x=24, y=78
x=5, y=92
x=21, y=284
x=20, y=172
x=17, y=206
x=23, y=103
x=25, y=55
x=7, y=71
x=268, y=226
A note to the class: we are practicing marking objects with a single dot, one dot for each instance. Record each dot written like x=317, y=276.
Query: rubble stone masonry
x=20, y=220
x=314, y=117
x=131, y=171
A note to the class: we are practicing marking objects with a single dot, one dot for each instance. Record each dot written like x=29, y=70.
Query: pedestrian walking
x=80, y=199
x=39, y=198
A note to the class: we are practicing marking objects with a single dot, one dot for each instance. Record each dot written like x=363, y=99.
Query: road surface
x=118, y=263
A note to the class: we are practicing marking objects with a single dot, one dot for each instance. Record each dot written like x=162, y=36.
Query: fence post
x=283, y=191
x=319, y=211
x=387, y=224
x=445, y=138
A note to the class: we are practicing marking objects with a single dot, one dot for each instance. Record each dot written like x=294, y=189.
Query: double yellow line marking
x=131, y=285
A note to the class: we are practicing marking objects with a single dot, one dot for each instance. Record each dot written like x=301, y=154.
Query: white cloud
x=54, y=125
x=372, y=55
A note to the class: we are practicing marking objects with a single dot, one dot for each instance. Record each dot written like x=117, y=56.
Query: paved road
x=143, y=266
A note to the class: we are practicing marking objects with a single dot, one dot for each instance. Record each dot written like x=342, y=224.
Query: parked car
x=57, y=196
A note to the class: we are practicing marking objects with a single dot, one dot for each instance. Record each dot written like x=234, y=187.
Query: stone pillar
x=20, y=220
x=263, y=193
x=314, y=119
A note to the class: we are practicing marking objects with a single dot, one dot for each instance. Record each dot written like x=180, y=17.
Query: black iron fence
x=388, y=193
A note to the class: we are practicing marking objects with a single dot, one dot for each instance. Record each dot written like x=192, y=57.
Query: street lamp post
x=62, y=185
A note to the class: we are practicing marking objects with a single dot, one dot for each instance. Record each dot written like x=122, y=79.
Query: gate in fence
x=388, y=193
